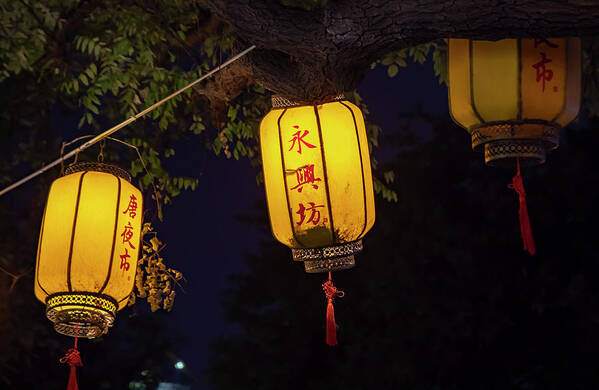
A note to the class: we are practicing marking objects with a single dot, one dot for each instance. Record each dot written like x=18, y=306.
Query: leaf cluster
x=154, y=281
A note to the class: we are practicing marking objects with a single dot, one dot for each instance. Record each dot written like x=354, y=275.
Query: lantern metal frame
x=328, y=258
x=83, y=313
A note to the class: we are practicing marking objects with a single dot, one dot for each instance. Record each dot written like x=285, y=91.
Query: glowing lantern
x=514, y=95
x=318, y=184
x=88, y=248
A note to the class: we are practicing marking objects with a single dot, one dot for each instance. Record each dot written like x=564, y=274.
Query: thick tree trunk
x=313, y=55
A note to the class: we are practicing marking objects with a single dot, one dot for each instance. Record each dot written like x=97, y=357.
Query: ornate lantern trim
x=503, y=142
x=279, y=101
x=84, y=314
x=328, y=258
x=98, y=167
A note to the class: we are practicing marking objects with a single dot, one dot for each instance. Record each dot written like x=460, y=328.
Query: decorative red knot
x=331, y=292
x=72, y=358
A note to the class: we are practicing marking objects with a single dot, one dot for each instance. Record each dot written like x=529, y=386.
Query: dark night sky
x=206, y=242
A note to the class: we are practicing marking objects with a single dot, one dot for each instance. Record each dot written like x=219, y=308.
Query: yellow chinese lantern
x=318, y=184
x=513, y=96
x=88, y=248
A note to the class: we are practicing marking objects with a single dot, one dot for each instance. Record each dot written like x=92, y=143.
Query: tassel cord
x=73, y=359
x=525, y=227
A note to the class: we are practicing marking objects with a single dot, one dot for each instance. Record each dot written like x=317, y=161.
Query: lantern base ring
x=81, y=314
x=336, y=264
x=328, y=258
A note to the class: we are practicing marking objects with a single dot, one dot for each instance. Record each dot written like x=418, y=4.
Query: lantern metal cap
x=98, y=167
x=81, y=314
x=328, y=258
x=279, y=101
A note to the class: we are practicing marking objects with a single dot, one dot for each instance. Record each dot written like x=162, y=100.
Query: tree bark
x=311, y=56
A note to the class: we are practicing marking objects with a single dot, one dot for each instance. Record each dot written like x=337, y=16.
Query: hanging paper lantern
x=88, y=248
x=514, y=95
x=318, y=184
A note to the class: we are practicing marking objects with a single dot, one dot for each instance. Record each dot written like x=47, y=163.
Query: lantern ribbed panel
x=514, y=95
x=89, y=245
x=317, y=176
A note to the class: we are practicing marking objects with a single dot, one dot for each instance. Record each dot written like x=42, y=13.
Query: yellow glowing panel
x=543, y=77
x=573, y=83
x=366, y=169
x=495, y=81
x=342, y=155
x=306, y=185
x=94, y=231
x=460, y=98
x=127, y=244
x=55, y=236
x=273, y=178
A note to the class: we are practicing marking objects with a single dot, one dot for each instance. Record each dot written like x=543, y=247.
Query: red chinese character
x=124, y=262
x=546, y=42
x=314, y=217
x=128, y=234
x=299, y=137
x=305, y=175
x=543, y=73
x=132, y=207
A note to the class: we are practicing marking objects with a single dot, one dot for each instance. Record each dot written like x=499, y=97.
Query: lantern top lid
x=98, y=167
x=279, y=101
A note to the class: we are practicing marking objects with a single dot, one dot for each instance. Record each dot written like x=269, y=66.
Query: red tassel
x=331, y=293
x=73, y=359
x=525, y=228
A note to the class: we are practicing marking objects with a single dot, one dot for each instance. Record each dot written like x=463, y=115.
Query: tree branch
x=15, y=278
x=313, y=55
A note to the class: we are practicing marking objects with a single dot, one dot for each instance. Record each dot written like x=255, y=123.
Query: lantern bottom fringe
x=81, y=314
x=328, y=258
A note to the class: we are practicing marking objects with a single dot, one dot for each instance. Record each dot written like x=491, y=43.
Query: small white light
x=179, y=365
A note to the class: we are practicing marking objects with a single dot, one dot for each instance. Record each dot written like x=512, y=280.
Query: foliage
x=154, y=281
x=419, y=54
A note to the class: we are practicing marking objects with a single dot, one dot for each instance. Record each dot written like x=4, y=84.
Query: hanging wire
x=116, y=128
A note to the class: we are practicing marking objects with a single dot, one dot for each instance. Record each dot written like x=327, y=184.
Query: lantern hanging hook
x=101, y=159
x=101, y=154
